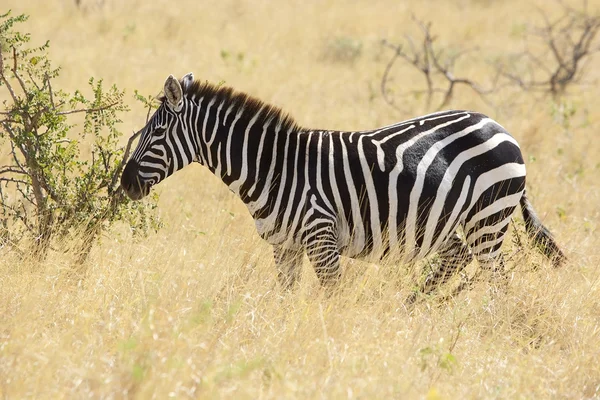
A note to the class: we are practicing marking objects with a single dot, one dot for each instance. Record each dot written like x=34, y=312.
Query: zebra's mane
x=248, y=104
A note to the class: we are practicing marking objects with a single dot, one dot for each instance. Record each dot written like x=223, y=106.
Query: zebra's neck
x=237, y=135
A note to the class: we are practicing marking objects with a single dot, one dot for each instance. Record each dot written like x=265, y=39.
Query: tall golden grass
x=194, y=310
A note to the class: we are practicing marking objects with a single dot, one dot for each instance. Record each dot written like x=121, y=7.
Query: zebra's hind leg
x=322, y=250
x=289, y=264
x=486, y=241
x=454, y=257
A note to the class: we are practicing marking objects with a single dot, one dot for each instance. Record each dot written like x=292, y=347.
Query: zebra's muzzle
x=134, y=187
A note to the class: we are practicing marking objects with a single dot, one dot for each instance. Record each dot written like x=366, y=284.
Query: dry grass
x=194, y=310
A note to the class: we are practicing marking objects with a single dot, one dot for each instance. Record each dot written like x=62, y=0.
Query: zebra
x=397, y=193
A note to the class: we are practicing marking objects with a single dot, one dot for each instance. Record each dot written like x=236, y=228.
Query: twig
x=25, y=196
x=456, y=337
x=118, y=170
x=14, y=155
x=148, y=114
x=3, y=200
x=385, y=78
x=12, y=136
x=105, y=160
x=3, y=77
x=50, y=92
x=13, y=180
x=15, y=69
x=32, y=80
x=12, y=170
x=88, y=110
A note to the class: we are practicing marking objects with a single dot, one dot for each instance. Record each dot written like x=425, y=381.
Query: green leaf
x=447, y=361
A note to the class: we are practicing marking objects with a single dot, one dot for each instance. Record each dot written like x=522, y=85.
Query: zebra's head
x=163, y=147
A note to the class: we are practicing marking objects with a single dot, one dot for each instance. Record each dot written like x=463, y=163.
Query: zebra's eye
x=159, y=131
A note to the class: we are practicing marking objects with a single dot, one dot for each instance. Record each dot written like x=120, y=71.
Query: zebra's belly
x=278, y=237
x=396, y=252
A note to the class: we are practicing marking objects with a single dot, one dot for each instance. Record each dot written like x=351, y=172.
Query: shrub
x=61, y=179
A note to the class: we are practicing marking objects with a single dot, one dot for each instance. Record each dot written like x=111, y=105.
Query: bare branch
x=15, y=157
x=32, y=79
x=13, y=140
x=105, y=159
x=148, y=114
x=385, y=77
x=22, y=214
x=88, y=110
x=129, y=143
x=3, y=78
x=568, y=43
x=3, y=209
x=24, y=195
x=13, y=180
x=121, y=165
x=15, y=71
x=432, y=64
x=50, y=92
x=12, y=170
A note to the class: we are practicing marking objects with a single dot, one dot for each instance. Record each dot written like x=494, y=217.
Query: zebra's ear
x=173, y=91
x=187, y=81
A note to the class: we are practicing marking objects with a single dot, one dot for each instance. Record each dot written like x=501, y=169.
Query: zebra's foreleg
x=454, y=257
x=289, y=265
x=322, y=250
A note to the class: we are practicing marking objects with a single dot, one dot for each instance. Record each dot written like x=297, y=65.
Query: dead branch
x=384, y=80
x=437, y=70
x=567, y=44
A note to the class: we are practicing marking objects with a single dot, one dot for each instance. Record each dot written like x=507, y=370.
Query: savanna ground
x=194, y=309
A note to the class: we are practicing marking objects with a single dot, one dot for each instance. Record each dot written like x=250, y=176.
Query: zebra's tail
x=540, y=235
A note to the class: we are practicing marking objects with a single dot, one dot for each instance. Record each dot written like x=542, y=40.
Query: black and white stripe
x=401, y=192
